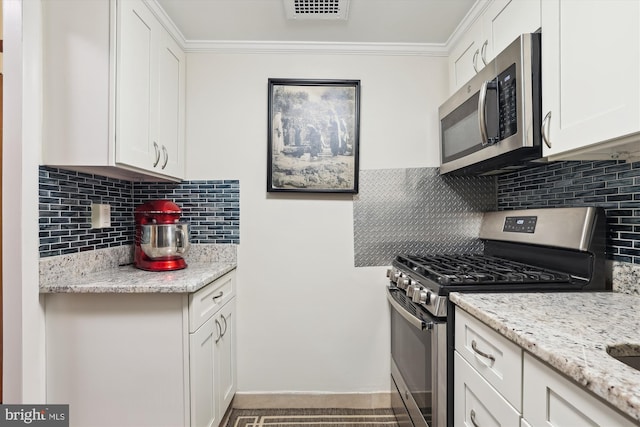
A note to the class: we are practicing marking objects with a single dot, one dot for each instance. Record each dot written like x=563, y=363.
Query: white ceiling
x=369, y=21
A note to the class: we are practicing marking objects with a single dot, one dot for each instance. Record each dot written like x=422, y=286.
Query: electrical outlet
x=100, y=215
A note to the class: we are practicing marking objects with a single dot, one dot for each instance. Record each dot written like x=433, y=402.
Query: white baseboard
x=312, y=400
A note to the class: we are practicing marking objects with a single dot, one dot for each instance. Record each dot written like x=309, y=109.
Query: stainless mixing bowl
x=159, y=241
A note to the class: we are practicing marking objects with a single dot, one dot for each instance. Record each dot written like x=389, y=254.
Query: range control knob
x=411, y=289
x=393, y=275
x=404, y=282
x=421, y=296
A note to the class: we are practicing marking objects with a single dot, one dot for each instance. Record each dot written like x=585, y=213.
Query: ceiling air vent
x=317, y=9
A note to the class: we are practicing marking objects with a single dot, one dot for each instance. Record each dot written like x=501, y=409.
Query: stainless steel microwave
x=492, y=124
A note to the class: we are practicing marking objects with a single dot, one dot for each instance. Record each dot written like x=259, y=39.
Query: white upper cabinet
x=504, y=21
x=463, y=59
x=136, y=84
x=114, y=90
x=591, y=79
x=499, y=24
x=171, y=106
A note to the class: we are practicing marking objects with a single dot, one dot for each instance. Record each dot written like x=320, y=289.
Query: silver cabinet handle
x=220, y=295
x=482, y=353
x=545, y=126
x=155, y=147
x=219, y=330
x=475, y=60
x=483, y=52
x=166, y=156
x=224, y=319
x=472, y=416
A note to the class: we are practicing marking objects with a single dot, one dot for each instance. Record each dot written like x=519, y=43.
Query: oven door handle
x=418, y=323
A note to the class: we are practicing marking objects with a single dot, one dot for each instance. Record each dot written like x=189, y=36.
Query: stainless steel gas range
x=534, y=250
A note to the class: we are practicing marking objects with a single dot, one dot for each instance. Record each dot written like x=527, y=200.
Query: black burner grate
x=460, y=269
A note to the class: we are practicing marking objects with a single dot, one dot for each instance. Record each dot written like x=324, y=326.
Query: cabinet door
x=202, y=374
x=226, y=357
x=590, y=69
x=476, y=403
x=552, y=400
x=464, y=60
x=136, y=85
x=504, y=21
x=171, y=92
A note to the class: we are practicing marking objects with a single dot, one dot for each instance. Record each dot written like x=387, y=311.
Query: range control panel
x=520, y=224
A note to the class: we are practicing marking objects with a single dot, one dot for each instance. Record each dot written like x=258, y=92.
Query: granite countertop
x=571, y=332
x=128, y=279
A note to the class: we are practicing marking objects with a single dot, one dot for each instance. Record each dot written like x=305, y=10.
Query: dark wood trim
x=1, y=46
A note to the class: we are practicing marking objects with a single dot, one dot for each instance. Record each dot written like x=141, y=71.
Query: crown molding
x=469, y=19
x=166, y=22
x=328, y=48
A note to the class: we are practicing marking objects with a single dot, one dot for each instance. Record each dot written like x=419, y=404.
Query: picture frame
x=313, y=136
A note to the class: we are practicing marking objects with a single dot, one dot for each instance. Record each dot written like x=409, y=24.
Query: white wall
x=308, y=321
x=23, y=314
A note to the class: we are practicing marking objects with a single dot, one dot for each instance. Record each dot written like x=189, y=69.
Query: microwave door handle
x=482, y=118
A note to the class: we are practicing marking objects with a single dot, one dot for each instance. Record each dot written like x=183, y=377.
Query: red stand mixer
x=160, y=240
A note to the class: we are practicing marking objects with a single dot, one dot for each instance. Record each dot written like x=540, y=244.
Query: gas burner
x=475, y=269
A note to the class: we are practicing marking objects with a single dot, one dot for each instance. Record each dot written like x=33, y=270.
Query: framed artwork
x=313, y=135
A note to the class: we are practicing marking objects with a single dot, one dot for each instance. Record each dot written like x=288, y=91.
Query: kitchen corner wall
x=613, y=185
x=309, y=321
x=211, y=207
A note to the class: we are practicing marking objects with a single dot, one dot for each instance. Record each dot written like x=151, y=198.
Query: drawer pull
x=220, y=295
x=474, y=346
x=472, y=416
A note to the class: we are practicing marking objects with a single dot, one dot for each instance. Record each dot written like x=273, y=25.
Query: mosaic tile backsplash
x=212, y=209
x=613, y=185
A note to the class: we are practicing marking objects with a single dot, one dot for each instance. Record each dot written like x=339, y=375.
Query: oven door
x=418, y=363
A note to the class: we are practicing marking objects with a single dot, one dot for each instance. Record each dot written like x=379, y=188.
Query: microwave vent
x=317, y=9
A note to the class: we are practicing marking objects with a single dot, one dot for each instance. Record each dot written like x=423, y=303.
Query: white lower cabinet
x=552, y=400
x=143, y=360
x=488, y=375
x=226, y=358
x=212, y=367
x=476, y=402
x=496, y=383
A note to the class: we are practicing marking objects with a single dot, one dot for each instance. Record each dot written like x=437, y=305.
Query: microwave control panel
x=508, y=102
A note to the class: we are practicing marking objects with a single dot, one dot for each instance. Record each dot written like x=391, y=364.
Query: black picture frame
x=313, y=136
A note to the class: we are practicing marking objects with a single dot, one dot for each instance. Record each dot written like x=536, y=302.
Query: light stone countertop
x=111, y=271
x=571, y=332
x=128, y=279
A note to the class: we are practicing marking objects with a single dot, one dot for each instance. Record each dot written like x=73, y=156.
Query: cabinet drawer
x=497, y=359
x=205, y=302
x=476, y=402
